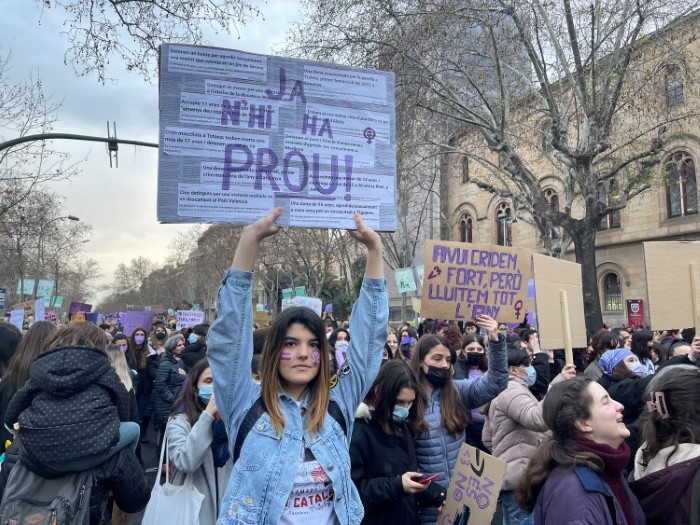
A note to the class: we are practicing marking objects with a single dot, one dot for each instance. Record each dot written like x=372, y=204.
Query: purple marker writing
x=316, y=357
x=286, y=356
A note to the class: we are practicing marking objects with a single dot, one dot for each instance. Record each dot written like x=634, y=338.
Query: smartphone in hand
x=428, y=479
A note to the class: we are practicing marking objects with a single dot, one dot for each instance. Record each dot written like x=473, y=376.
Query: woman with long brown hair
x=294, y=465
x=446, y=414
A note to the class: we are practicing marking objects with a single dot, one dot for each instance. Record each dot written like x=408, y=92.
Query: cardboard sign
x=131, y=320
x=17, y=318
x=188, y=318
x=474, y=488
x=241, y=133
x=415, y=304
x=464, y=280
x=674, y=299
x=404, y=280
x=314, y=303
x=552, y=275
x=27, y=307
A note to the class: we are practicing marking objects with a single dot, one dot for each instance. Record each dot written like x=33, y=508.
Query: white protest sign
x=404, y=280
x=241, y=133
x=314, y=303
x=39, y=310
x=17, y=318
x=188, y=318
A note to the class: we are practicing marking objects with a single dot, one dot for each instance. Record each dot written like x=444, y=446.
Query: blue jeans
x=512, y=514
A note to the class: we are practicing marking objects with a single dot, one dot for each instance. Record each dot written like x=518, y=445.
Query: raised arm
x=230, y=339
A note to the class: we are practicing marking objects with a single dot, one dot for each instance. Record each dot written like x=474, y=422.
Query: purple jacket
x=581, y=497
x=665, y=495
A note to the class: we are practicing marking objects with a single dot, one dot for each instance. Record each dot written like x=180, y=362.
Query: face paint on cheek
x=316, y=357
x=286, y=356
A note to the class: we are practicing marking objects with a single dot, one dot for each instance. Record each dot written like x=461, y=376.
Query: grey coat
x=189, y=448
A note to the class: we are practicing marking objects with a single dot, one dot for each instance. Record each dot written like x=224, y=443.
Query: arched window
x=553, y=200
x=681, y=185
x=465, y=169
x=465, y=228
x=674, y=86
x=612, y=292
x=504, y=219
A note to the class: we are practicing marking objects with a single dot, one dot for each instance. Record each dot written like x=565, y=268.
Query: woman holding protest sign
x=291, y=463
x=449, y=401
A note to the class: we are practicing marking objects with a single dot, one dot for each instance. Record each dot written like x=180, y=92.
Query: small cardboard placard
x=551, y=276
x=463, y=280
x=474, y=487
x=672, y=303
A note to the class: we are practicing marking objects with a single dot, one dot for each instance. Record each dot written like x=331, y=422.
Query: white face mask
x=637, y=369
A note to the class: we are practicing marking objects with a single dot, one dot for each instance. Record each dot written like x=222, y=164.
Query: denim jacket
x=263, y=476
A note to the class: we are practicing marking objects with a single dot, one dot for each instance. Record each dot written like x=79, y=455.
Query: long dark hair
x=566, y=403
x=454, y=416
x=475, y=338
x=393, y=377
x=31, y=345
x=319, y=387
x=188, y=401
x=139, y=353
x=679, y=386
x=640, y=345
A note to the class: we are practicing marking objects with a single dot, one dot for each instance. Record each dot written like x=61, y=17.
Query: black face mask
x=437, y=376
x=160, y=336
x=474, y=358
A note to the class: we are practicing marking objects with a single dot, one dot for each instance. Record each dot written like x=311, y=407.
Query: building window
x=504, y=219
x=611, y=219
x=681, y=185
x=674, y=87
x=465, y=169
x=466, y=225
x=553, y=200
x=612, y=292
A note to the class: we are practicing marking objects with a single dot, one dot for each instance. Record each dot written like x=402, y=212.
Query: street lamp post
x=40, y=251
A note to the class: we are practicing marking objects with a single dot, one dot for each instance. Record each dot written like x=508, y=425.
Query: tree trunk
x=584, y=245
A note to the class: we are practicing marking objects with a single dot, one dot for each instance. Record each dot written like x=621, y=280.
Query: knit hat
x=610, y=359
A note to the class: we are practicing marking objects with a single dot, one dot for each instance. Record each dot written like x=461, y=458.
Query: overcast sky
x=120, y=203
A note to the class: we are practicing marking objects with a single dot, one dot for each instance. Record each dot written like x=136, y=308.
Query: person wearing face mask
x=446, y=412
x=625, y=379
x=197, y=442
x=146, y=361
x=196, y=348
x=515, y=428
x=169, y=380
x=158, y=337
x=472, y=363
x=382, y=456
x=407, y=341
x=340, y=342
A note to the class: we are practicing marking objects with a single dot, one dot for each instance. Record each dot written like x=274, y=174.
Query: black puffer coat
x=122, y=475
x=168, y=384
x=71, y=405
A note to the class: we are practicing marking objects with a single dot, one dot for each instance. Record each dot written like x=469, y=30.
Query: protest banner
x=52, y=317
x=465, y=280
x=25, y=287
x=287, y=293
x=58, y=301
x=474, y=488
x=404, y=280
x=131, y=320
x=300, y=291
x=553, y=276
x=44, y=288
x=673, y=271
x=635, y=314
x=314, y=303
x=242, y=132
x=79, y=307
x=39, y=310
x=17, y=318
x=188, y=318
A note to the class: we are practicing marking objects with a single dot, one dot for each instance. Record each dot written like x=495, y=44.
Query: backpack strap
x=257, y=410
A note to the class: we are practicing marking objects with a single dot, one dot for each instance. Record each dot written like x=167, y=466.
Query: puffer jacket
x=121, y=475
x=437, y=449
x=514, y=429
x=168, y=383
x=71, y=405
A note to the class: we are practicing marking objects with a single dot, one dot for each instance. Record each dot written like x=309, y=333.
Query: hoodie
x=71, y=405
x=665, y=491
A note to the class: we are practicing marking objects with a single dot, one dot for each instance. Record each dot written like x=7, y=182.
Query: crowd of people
x=313, y=421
